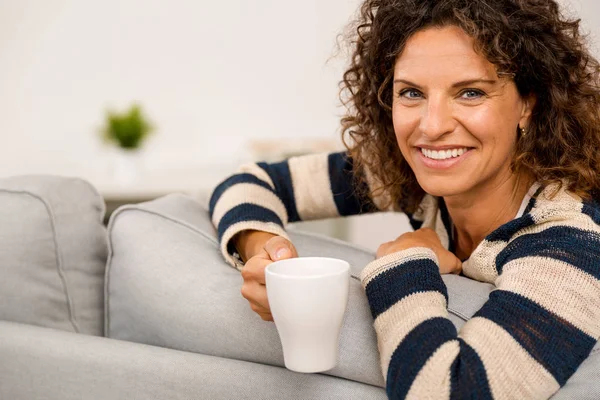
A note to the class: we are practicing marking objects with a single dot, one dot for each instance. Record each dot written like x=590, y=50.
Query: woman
x=479, y=119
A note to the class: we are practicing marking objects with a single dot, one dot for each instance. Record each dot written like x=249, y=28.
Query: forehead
x=442, y=51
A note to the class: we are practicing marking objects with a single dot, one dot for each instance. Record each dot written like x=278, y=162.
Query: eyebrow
x=454, y=85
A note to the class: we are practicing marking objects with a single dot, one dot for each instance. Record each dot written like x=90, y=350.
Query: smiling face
x=455, y=120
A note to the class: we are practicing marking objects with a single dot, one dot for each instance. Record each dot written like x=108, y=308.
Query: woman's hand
x=254, y=289
x=424, y=237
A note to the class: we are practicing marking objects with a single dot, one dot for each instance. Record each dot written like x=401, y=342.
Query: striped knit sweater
x=539, y=324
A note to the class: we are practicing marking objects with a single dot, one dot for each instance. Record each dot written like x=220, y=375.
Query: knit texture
x=537, y=327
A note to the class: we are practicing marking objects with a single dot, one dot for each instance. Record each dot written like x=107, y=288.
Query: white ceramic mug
x=308, y=298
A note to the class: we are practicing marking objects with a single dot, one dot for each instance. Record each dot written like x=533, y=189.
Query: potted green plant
x=128, y=131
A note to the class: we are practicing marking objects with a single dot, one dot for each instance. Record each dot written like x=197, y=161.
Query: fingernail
x=281, y=253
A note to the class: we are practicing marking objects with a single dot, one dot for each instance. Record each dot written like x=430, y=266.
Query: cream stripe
x=563, y=203
x=384, y=263
x=433, y=380
x=566, y=291
x=242, y=226
x=481, y=266
x=254, y=169
x=312, y=187
x=512, y=373
x=561, y=209
x=395, y=323
x=248, y=193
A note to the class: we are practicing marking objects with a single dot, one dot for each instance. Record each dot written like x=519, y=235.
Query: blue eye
x=410, y=94
x=470, y=94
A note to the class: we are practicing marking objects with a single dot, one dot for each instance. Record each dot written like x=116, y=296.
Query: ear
x=527, y=110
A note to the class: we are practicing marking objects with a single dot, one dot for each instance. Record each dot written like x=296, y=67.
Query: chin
x=441, y=187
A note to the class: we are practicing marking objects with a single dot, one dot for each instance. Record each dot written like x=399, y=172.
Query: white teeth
x=443, y=154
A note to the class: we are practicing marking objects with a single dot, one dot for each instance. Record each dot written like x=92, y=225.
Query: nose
x=437, y=119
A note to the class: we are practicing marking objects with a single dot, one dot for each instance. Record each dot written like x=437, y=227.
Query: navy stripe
x=533, y=200
x=571, y=245
x=592, y=210
x=343, y=182
x=507, y=230
x=391, y=286
x=414, y=351
x=246, y=212
x=468, y=377
x=284, y=187
x=416, y=224
x=229, y=182
x=553, y=342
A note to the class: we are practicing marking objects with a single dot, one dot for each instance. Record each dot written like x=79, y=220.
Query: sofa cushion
x=168, y=285
x=42, y=363
x=52, y=253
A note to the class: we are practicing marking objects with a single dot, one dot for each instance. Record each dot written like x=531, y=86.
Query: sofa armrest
x=44, y=363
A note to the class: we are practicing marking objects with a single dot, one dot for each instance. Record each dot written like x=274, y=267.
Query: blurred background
x=217, y=83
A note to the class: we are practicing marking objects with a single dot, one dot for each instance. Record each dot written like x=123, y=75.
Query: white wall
x=210, y=74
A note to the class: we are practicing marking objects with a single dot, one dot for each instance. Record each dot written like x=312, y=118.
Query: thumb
x=279, y=248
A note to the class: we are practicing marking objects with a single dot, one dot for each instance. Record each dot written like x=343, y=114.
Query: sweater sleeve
x=537, y=327
x=266, y=197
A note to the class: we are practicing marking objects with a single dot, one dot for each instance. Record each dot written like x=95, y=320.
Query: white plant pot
x=126, y=166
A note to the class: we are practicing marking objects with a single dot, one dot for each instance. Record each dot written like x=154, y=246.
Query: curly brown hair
x=539, y=48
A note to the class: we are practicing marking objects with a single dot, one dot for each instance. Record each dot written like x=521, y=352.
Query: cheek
x=405, y=123
x=490, y=127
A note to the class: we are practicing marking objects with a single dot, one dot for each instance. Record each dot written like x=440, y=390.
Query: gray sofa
x=147, y=309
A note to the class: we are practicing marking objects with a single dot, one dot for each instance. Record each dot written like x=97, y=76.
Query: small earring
x=522, y=131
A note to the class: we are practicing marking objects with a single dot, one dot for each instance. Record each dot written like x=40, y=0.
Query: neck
x=481, y=211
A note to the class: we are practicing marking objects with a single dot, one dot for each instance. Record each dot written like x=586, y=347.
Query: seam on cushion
x=109, y=230
x=57, y=252
x=458, y=314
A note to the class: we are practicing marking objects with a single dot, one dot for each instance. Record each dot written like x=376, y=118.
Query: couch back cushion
x=168, y=285
x=53, y=251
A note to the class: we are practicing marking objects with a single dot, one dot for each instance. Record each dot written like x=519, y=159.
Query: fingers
x=382, y=250
x=458, y=266
x=254, y=270
x=256, y=294
x=280, y=248
x=266, y=316
x=449, y=263
x=254, y=287
x=264, y=313
x=424, y=237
